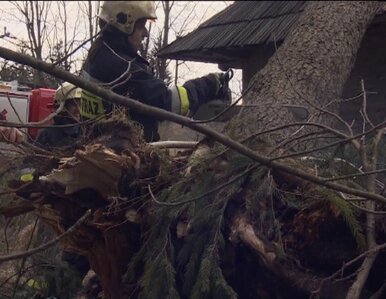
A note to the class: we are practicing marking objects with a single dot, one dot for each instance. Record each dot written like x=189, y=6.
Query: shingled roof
x=242, y=24
x=235, y=30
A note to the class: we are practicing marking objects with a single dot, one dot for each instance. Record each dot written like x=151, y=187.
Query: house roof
x=235, y=30
x=242, y=24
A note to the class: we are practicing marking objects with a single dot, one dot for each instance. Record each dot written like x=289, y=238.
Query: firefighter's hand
x=10, y=134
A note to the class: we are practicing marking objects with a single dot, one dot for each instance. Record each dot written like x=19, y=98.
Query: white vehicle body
x=15, y=106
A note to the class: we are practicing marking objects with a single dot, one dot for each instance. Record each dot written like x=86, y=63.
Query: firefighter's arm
x=11, y=134
x=143, y=86
x=187, y=99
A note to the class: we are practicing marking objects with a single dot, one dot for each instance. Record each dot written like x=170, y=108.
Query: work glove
x=207, y=88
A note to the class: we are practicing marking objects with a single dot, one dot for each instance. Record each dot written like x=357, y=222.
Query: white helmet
x=66, y=92
x=123, y=14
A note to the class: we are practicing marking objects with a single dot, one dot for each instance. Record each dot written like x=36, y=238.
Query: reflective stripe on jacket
x=91, y=106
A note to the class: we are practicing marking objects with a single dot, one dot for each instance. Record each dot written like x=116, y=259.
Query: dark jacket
x=55, y=137
x=113, y=60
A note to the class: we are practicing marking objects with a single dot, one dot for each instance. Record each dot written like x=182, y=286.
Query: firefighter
x=60, y=137
x=54, y=137
x=113, y=61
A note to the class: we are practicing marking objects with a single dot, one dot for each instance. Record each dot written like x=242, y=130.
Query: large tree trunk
x=310, y=68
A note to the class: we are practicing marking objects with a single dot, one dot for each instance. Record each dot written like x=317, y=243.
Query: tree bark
x=310, y=68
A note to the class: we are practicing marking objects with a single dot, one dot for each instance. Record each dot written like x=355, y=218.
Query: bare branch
x=364, y=110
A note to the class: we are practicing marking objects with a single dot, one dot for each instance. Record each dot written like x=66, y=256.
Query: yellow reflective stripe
x=184, y=99
x=91, y=105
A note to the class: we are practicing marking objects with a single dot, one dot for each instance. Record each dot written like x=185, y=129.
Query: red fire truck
x=25, y=106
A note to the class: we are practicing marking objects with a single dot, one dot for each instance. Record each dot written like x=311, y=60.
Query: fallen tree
x=211, y=233
x=225, y=220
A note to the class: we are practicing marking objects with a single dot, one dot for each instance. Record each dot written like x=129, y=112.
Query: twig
x=249, y=169
x=356, y=97
x=381, y=125
x=320, y=126
x=37, y=149
x=300, y=141
x=377, y=248
x=367, y=210
x=5, y=258
x=76, y=49
x=254, y=135
x=339, y=118
x=302, y=138
x=365, y=104
x=359, y=174
x=40, y=124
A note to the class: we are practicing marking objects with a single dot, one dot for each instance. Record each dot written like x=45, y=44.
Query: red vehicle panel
x=41, y=105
